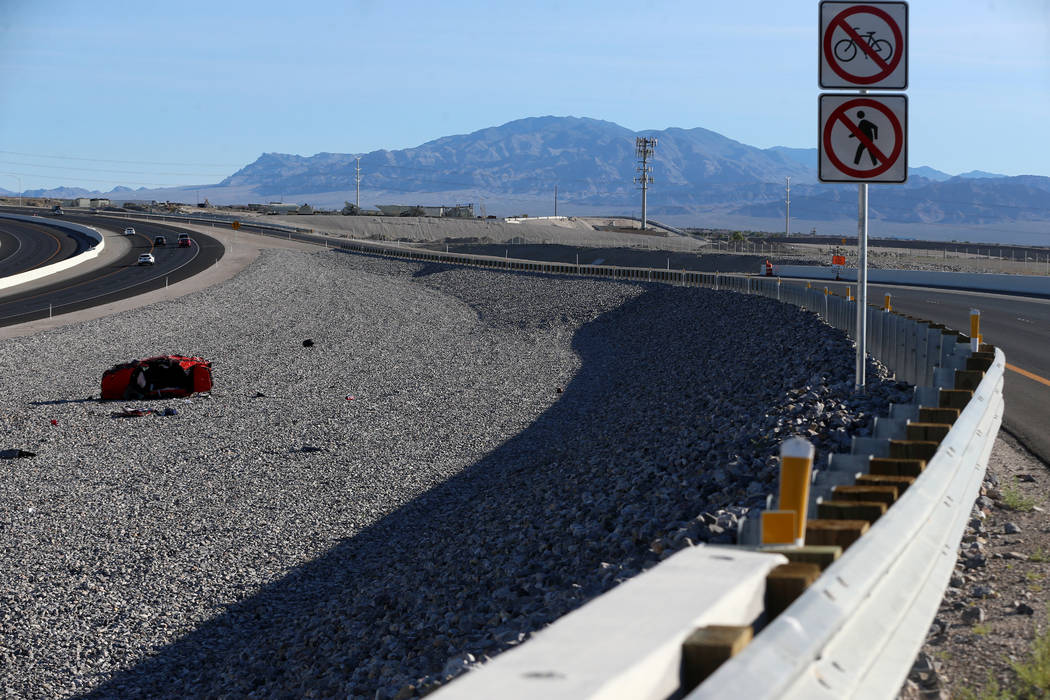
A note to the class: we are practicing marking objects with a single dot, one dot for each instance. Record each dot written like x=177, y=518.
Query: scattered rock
x=976, y=561
x=983, y=591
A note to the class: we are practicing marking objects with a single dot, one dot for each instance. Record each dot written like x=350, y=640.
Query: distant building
x=99, y=202
x=281, y=208
x=460, y=211
x=82, y=202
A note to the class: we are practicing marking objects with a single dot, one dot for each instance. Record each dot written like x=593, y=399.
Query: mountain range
x=698, y=174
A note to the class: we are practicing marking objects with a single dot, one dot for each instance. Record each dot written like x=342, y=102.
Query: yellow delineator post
x=887, y=306
x=849, y=293
x=975, y=329
x=787, y=524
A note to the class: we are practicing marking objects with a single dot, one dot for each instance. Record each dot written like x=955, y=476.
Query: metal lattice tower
x=643, y=149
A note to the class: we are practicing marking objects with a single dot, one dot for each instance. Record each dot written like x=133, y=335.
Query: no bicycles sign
x=864, y=45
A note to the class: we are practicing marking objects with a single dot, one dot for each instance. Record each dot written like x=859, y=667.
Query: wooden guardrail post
x=786, y=583
x=707, y=648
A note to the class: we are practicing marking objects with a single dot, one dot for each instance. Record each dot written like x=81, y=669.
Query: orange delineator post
x=886, y=305
x=787, y=525
x=778, y=526
x=975, y=329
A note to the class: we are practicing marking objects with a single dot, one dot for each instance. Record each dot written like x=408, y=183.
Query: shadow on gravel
x=431, y=268
x=516, y=540
x=90, y=399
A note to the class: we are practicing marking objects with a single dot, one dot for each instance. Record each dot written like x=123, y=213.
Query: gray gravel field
x=461, y=457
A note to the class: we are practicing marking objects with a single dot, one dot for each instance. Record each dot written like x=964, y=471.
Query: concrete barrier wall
x=1038, y=285
x=41, y=272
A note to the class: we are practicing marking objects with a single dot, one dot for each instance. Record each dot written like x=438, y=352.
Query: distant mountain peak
x=979, y=175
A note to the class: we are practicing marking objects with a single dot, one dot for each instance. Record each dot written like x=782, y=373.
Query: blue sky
x=130, y=93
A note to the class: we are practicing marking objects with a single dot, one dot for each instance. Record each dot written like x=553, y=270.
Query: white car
x=146, y=259
x=129, y=231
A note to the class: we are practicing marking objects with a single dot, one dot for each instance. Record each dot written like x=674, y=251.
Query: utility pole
x=787, y=215
x=643, y=149
x=357, y=202
x=555, y=200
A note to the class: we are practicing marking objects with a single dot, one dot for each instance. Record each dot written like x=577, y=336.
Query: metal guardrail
x=856, y=631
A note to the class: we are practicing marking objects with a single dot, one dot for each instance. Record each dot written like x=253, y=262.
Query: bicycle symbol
x=846, y=49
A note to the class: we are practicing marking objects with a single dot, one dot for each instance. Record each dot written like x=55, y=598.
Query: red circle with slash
x=840, y=115
x=839, y=22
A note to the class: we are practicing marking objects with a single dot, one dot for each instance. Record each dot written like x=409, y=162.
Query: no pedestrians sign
x=863, y=138
x=864, y=45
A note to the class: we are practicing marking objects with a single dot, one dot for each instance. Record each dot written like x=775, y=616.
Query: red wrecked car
x=162, y=377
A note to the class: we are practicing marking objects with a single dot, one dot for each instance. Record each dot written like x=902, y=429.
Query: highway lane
x=117, y=280
x=9, y=245
x=28, y=245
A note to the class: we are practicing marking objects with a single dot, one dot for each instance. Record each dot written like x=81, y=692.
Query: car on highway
x=184, y=240
x=160, y=240
x=129, y=231
x=146, y=259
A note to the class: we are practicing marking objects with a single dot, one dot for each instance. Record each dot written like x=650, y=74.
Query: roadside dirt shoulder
x=996, y=603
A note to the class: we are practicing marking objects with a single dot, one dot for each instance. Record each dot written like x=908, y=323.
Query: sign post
x=863, y=46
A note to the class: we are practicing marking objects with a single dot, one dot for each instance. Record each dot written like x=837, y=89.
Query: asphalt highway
x=119, y=279
x=26, y=245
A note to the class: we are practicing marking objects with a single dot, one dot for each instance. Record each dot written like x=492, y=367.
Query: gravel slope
x=515, y=445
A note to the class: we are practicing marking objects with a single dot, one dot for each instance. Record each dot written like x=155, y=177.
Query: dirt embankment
x=564, y=230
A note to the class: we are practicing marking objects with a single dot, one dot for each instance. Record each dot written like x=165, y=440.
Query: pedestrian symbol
x=862, y=138
x=871, y=132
